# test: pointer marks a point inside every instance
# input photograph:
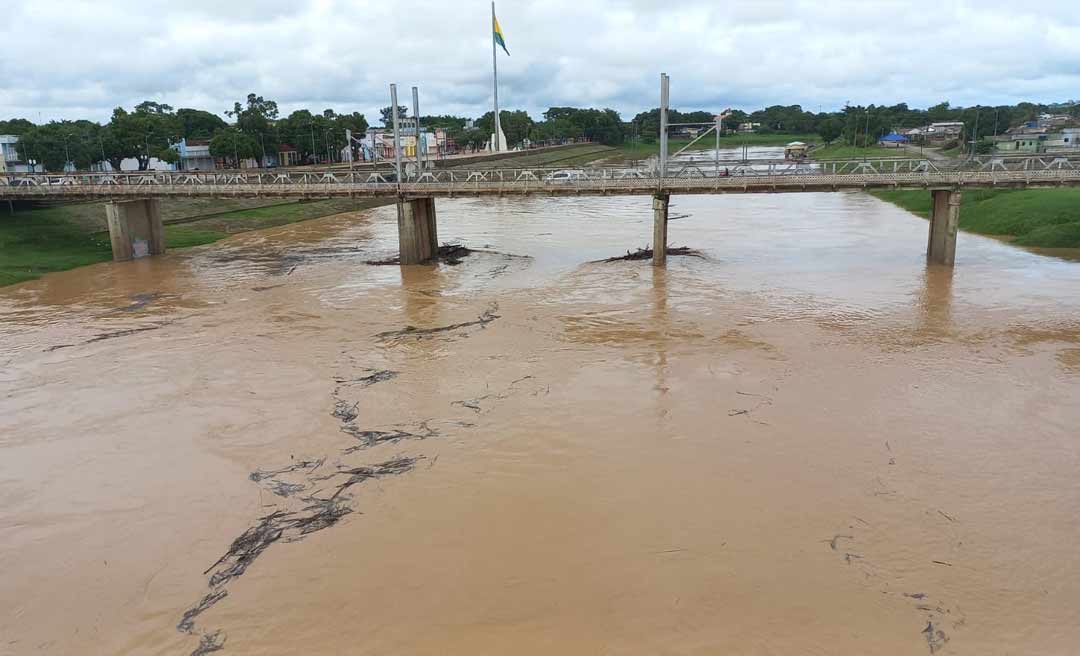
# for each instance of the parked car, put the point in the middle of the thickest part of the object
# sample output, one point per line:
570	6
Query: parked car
566	175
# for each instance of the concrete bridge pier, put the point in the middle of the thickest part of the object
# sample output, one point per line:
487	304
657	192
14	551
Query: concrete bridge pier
660	224
944	223
135	228
418	238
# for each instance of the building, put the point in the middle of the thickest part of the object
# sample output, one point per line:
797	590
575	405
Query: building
288	155
194	155
943	131
10	162
378	143
1067	139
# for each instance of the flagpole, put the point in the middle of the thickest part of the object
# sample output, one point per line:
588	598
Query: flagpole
495	79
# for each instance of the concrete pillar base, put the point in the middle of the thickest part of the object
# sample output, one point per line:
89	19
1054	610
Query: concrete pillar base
418	238
660	225
135	228
944	223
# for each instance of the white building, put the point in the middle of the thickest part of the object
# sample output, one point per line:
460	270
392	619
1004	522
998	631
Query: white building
194	155
9	157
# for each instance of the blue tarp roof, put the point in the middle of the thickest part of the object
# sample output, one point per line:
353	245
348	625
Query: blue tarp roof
894	138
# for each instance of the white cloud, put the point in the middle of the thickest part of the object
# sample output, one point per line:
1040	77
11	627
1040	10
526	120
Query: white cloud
80	58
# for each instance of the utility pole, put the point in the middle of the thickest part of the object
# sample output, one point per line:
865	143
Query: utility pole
397	134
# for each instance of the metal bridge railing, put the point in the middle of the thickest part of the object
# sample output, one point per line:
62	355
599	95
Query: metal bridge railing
731	176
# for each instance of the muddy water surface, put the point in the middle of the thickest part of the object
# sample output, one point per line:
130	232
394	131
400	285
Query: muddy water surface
806	442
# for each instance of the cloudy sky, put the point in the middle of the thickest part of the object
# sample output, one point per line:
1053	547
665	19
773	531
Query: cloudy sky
73	58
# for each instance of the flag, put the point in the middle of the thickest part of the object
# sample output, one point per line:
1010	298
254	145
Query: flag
498	34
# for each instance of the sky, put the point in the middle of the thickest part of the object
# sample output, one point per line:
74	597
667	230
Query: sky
68	59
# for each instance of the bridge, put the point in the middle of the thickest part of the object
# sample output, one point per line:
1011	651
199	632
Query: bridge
136	229
135	224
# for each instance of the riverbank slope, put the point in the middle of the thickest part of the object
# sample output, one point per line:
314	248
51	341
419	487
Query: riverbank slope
1041	218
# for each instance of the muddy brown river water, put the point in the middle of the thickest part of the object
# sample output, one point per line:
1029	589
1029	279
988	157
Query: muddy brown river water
805	442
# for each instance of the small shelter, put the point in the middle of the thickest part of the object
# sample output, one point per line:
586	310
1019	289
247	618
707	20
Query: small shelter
893	140
796	151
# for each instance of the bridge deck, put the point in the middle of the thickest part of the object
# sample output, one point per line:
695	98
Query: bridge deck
744	177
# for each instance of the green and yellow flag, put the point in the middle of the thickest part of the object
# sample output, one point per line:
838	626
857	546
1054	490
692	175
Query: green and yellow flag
498	33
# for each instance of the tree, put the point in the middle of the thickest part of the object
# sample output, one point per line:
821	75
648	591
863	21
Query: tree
151	107
256	116
233	145
515	125
387	115
15	126
143	134
197	124
830	130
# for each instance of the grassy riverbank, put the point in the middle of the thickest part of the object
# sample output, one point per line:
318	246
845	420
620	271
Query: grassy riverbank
36	242
1043	218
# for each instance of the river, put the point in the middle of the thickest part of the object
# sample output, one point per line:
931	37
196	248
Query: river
803	442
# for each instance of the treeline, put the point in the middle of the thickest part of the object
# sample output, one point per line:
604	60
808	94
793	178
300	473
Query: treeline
257	129
149	128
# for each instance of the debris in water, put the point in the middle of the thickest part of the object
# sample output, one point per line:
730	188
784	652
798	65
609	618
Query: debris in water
647	253
420	333
451	254
210	643
346	412
370	438
367	381
935	637
187	622
119	333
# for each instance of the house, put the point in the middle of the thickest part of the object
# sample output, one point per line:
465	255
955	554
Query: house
194	155
1022	141
943	131
9	157
748	127
1067	139
1053	120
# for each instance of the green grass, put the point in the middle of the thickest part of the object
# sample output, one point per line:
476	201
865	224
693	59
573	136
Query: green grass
1043	218
36	242
33	244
